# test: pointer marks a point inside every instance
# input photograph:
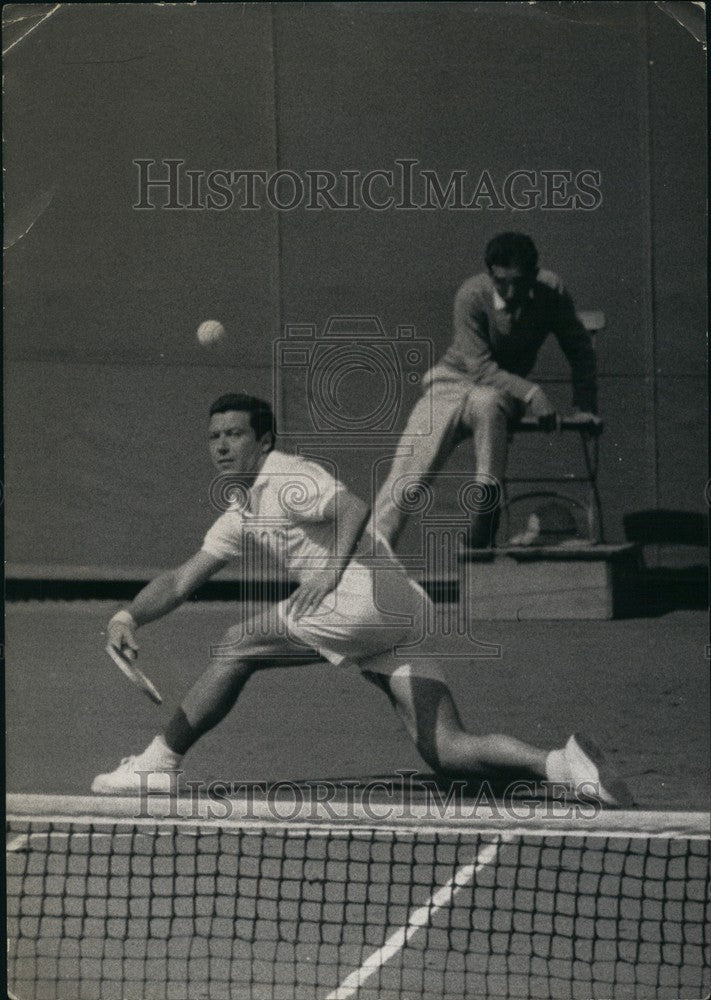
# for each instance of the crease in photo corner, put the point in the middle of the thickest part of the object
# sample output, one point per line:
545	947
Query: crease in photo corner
30	14
17	227
690	14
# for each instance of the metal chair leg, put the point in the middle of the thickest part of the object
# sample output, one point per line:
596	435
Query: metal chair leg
591	455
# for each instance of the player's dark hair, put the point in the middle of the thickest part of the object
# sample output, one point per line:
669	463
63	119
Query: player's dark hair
261	417
512	250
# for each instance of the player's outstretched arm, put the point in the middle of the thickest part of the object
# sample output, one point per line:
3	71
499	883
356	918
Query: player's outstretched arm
157	598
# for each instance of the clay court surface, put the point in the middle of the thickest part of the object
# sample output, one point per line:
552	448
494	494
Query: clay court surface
640	687
130	912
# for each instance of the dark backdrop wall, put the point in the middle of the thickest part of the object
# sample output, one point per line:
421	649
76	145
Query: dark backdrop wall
106	391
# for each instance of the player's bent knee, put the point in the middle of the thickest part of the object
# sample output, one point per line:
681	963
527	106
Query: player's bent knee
437	753
486	401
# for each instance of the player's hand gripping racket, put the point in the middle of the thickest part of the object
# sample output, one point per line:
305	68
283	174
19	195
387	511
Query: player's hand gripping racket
135	675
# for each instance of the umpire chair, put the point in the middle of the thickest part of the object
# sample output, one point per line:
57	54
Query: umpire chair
517	488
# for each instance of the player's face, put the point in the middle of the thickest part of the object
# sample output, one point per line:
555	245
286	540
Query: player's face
233	444
512	284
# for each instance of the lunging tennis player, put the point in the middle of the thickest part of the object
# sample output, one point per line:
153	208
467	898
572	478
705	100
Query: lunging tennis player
343	610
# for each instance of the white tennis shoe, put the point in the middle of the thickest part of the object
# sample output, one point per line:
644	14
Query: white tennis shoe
591	775
137	776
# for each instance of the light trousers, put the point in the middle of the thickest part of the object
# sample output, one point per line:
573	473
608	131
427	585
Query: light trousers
451	409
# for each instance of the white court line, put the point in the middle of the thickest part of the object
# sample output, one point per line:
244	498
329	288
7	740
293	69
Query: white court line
418	918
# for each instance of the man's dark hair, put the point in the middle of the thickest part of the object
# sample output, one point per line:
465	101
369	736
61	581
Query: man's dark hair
261	418
512	250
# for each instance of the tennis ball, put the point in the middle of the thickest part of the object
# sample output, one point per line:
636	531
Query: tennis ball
210	332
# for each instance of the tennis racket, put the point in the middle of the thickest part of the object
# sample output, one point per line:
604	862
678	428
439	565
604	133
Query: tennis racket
135	675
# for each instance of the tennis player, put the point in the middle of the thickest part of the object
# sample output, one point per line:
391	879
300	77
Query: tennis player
354	604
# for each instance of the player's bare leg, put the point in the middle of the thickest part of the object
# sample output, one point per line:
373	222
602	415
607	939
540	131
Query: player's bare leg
431	718
243	650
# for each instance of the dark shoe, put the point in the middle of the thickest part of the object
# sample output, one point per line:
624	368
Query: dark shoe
482	530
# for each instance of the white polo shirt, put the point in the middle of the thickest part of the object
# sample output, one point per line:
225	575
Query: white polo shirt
283	512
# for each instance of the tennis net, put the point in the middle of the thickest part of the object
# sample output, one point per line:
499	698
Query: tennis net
104	904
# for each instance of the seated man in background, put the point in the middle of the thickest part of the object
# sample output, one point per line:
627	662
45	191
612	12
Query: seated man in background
481	387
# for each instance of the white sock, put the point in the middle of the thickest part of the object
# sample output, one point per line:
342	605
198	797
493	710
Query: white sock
557	768
158	754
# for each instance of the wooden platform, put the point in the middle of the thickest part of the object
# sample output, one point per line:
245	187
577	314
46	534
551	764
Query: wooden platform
549	582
